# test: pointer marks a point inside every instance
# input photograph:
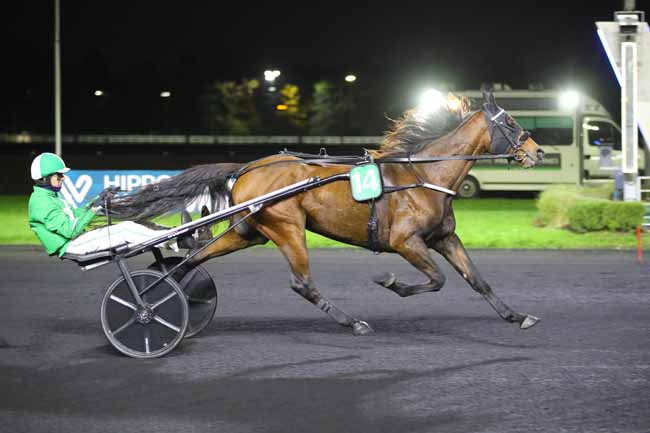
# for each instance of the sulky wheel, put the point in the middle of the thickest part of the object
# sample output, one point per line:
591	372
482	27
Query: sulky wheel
199	289
150	330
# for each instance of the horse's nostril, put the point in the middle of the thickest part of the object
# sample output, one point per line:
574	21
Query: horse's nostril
540	154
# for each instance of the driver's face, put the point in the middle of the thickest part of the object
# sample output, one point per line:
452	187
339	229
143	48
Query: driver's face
57	180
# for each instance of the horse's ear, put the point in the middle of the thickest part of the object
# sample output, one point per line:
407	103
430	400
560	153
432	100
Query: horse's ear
488	98
465	104
493	102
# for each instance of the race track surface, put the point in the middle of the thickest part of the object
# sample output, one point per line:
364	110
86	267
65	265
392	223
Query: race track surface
271	362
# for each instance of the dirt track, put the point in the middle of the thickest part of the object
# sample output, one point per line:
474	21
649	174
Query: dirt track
270	362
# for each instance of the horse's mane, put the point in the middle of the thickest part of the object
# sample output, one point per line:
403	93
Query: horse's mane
417	128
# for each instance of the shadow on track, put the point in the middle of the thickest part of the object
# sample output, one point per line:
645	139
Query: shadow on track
279	404
417	328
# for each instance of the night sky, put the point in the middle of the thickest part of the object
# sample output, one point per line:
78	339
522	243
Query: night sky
140	47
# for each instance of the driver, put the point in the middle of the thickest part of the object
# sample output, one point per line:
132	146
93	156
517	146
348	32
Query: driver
60	228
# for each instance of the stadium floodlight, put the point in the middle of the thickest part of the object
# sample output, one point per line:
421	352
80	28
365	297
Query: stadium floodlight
99	92
350	78
271	75
569	100
165	94
431	100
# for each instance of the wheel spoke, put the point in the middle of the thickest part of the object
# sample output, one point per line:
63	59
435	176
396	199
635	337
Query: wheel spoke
123	302
192	277
163	300
166	323
128	323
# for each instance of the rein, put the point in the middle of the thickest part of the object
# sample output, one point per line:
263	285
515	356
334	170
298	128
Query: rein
388	160
324	158
509	138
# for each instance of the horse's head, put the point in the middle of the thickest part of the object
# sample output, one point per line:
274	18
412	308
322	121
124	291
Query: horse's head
506	136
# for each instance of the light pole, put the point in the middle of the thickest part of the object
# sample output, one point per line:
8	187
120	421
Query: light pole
57	78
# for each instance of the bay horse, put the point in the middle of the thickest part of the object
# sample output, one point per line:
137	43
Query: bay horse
409	221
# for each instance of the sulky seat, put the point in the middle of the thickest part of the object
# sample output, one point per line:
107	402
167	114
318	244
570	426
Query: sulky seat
92	260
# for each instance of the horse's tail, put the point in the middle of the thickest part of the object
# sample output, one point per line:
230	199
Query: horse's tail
176	192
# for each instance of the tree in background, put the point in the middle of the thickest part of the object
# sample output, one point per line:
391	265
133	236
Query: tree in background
326	108
246	107
291	107
232	109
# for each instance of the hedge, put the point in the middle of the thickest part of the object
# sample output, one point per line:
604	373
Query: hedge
623	215
597	214
554	203
585	209
587	215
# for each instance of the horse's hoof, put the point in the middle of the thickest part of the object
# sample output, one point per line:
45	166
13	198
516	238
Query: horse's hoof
387	279
529	322
360	327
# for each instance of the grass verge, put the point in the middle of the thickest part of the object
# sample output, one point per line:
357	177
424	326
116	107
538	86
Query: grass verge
481	223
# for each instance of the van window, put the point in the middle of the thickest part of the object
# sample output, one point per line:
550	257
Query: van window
549	130
603	134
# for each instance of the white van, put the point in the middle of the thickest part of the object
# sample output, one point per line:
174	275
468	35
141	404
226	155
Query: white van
573	130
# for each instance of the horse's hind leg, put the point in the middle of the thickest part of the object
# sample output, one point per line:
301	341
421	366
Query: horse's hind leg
290	239
416	252
453	250
229	243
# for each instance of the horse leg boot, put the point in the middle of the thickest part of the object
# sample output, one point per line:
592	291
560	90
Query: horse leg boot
453	250
415	251
291	242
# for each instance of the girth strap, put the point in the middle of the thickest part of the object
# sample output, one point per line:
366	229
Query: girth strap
374	244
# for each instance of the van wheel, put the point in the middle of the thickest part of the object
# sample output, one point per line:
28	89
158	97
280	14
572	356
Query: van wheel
469	188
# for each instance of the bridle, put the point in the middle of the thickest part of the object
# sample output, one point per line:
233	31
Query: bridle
512	135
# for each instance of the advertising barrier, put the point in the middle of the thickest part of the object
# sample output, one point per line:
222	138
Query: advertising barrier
81	186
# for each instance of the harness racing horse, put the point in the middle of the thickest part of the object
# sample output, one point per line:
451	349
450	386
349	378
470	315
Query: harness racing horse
411	220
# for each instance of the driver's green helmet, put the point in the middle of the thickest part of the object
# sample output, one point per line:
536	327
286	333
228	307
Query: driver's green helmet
47	164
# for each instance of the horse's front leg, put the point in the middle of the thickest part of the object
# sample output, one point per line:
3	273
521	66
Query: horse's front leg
414	250
453	250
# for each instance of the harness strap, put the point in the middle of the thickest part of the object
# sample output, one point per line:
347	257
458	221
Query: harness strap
313	158
443	158
496	116
374	244
391	189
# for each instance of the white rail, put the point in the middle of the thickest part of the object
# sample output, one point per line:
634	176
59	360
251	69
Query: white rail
644	194
193	139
